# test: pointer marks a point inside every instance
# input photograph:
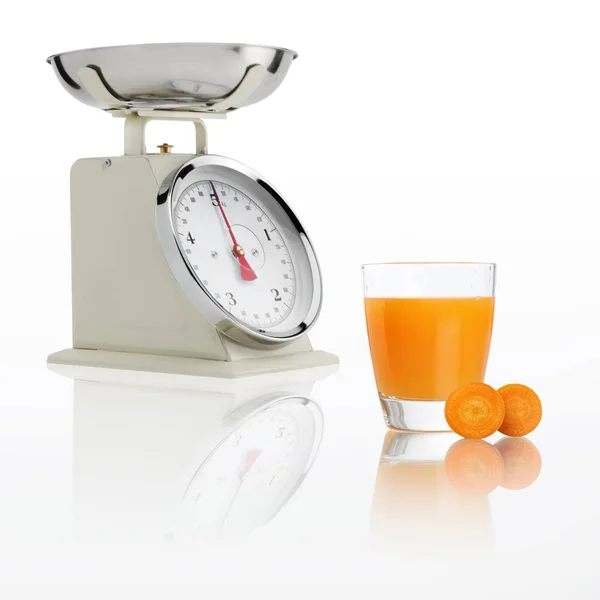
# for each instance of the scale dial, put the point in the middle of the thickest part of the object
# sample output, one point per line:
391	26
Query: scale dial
267	295
254	470
245	252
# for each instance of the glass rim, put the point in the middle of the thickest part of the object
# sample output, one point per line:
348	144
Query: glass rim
431	264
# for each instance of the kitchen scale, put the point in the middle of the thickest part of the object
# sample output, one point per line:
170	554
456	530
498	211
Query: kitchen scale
184	263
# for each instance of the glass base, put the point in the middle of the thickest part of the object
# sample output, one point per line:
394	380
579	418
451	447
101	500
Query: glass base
402	414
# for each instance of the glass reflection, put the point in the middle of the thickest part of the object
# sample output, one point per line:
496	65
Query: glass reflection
432	491
164	459
417	511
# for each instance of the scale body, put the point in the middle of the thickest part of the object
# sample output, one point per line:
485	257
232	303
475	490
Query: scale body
138	302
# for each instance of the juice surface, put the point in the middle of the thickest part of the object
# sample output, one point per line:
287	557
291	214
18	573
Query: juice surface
425	348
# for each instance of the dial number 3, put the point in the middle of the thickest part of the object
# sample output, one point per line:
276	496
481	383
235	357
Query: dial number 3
232	300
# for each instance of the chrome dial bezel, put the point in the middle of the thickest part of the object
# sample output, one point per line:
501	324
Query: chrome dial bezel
190	282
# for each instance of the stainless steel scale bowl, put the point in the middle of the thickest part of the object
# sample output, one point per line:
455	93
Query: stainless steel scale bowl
171	76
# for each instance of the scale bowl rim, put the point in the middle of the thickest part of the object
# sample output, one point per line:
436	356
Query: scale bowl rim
171	44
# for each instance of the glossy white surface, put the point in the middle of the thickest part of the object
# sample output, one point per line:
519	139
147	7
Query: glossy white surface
95	478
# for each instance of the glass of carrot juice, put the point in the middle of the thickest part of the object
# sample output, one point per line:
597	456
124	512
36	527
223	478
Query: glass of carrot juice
430	327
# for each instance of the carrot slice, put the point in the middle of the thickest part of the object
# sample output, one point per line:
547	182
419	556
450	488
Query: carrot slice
522	462
475	410
474	467
523	410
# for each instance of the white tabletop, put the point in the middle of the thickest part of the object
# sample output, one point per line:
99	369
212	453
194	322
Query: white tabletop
95	477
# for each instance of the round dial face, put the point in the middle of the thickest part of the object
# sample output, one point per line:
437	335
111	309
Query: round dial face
252	473
238	251
249	265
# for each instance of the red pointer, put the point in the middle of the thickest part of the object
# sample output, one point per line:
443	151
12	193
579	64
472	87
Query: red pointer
248	273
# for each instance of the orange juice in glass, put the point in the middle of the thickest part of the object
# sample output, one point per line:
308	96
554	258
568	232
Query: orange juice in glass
430	327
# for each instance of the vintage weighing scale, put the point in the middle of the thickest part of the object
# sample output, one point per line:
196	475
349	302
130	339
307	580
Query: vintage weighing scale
183	263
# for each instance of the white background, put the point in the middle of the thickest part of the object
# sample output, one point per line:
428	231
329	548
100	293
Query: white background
404	131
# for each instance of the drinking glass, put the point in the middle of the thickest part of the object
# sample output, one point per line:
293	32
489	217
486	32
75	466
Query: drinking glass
430	327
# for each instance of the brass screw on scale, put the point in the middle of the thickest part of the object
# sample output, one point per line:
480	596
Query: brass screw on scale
165	148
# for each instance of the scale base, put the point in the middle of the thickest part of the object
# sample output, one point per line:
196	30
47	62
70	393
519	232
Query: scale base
198	367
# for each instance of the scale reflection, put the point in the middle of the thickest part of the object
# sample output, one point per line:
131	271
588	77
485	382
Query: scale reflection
162	459
431	496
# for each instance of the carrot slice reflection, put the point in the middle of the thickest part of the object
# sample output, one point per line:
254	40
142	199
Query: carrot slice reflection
474	467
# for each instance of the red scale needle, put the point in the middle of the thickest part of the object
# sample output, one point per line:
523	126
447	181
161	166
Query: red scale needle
246	270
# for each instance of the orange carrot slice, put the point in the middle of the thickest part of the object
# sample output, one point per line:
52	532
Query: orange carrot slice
474	467
522	462
523	410
475	410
